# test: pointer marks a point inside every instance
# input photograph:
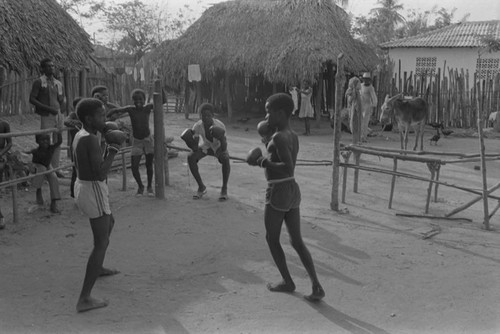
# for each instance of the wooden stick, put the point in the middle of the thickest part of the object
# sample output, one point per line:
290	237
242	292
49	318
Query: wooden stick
429	189
30	133
437	184
358	149
475	200
159	148
29	177
339	83
189	150
430	217
15	209
357	158
495	209
344	177
384	171
124	172
393	181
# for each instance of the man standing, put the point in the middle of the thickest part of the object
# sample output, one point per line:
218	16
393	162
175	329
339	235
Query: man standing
368	103
47	97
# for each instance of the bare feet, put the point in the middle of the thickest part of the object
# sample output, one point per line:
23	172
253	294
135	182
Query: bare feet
90	303
281	287
317	294
108	272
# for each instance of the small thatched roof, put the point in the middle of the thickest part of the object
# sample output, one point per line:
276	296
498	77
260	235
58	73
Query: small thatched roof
31	30
284	40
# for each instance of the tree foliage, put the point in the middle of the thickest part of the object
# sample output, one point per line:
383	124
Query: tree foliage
385	23
135	27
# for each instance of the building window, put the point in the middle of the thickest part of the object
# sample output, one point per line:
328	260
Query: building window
487	67
425	66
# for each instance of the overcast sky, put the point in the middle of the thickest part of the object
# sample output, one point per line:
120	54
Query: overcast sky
480	10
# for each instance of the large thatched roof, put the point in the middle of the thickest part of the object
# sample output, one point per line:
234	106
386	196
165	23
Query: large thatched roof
285	40
31	30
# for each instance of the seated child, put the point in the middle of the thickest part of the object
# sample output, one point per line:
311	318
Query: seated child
42	156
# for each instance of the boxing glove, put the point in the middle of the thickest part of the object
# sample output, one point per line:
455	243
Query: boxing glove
217	132
254	157
110	126
188	137
264	130
116	137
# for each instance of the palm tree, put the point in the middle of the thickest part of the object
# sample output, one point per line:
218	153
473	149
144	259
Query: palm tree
388	15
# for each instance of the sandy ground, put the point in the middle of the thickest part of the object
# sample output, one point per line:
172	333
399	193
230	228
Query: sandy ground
202	266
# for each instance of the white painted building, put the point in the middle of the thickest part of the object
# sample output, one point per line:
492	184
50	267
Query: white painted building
459	46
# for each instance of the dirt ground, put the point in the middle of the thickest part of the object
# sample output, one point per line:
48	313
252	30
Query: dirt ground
202	266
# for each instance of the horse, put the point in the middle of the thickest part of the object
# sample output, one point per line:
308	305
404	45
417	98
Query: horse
407	112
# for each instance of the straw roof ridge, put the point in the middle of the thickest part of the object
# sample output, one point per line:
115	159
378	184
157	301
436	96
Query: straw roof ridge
31	30
282	39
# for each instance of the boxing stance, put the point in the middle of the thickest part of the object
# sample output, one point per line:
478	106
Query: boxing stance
91	190
282	193
213	133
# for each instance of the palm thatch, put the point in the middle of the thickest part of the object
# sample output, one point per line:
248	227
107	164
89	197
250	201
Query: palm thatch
284	40
31	30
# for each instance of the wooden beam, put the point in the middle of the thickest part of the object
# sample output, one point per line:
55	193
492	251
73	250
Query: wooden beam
339	80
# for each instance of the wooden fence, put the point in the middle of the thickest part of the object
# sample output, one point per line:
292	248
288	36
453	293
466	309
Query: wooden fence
15	88
455	96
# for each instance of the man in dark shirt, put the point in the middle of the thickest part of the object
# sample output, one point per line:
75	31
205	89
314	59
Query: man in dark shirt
42	156
48	98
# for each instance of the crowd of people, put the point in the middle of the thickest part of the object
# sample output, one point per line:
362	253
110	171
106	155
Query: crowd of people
95	139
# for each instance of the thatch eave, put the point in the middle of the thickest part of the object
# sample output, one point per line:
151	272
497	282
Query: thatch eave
31	30
284	40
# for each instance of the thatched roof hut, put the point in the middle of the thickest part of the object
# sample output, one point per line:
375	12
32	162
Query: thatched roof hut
31	30
286	41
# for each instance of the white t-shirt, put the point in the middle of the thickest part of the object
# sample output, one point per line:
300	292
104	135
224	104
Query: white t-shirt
199	130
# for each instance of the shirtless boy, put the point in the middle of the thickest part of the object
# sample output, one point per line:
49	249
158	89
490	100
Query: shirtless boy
91	192
142	137
283	194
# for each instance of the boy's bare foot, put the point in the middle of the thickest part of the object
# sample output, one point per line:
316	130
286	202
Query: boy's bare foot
281	287
150	192
140	191
90	303
108	272
317	294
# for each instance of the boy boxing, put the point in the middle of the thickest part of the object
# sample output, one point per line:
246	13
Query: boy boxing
213	133
283	193
91	190
141	136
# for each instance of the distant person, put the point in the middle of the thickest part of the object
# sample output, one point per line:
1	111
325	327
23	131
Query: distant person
47	97
42	157
75	125
91	191
306	108
353	95
213	134
5	146
294	92
283	193
368	104
142	139
101	93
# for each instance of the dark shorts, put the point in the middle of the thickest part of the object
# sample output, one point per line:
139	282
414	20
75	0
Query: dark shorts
283	196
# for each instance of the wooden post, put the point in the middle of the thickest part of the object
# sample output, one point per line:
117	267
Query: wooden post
339	82
393	181
166	172
15	210
357	158
319	99
344	176
159	139
227	91
82	90
432	169
436	186
124	172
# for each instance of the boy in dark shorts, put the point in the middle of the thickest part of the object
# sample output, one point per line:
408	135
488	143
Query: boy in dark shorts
142	139
91	192
283	193
212	132
42	156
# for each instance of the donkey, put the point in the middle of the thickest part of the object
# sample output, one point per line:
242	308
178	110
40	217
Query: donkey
407	112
